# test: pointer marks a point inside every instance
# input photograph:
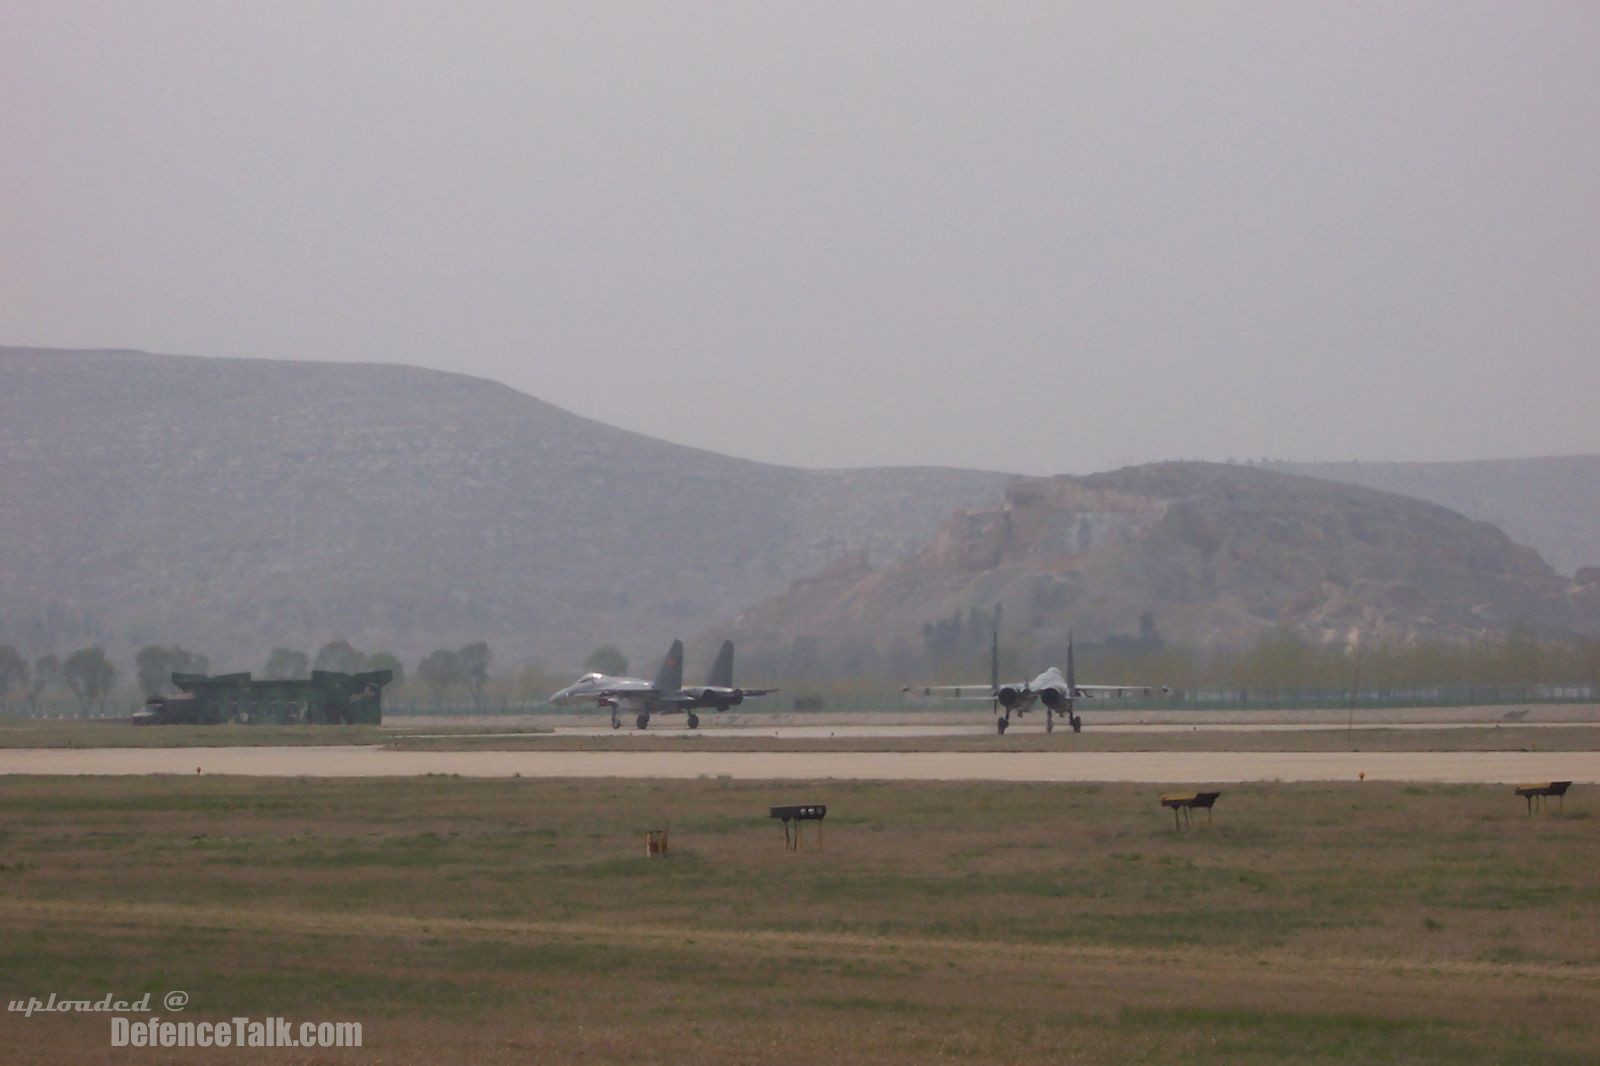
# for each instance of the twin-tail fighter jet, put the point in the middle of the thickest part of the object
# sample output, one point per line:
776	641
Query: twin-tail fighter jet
719	691
664	695
1058	693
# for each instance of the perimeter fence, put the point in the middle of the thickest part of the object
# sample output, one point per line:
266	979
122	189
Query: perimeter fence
802	702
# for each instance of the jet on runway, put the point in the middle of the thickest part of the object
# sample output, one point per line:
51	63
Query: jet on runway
664	695
1058	693
634	695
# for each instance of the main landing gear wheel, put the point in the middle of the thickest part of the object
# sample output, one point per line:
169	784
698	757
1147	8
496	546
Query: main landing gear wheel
1049	720
1077	724
616	723
1000	725
694	721
642	722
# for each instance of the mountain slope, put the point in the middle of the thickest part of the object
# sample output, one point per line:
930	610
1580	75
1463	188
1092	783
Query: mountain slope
1552	504
233	505
1210	555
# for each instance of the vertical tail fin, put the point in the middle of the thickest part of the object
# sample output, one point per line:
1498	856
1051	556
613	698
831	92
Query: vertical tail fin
994	662
721	675
670	677
1072	671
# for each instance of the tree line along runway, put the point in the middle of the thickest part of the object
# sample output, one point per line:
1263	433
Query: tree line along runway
1155	767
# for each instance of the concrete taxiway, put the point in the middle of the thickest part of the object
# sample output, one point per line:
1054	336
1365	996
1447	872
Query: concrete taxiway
985	729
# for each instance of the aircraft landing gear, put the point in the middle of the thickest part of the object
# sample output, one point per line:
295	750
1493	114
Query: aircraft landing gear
616	723
1049	720
1001	723
694	720
642	722
1077	724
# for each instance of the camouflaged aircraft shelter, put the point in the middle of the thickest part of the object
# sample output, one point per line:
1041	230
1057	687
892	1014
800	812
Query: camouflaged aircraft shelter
326	698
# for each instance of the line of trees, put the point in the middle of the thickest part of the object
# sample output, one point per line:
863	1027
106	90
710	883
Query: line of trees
156	663
90	677
442	670
337	656
468	667
1283	661
86	673
956	649
1278	662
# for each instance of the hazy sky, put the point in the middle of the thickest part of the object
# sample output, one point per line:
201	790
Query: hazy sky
1028	237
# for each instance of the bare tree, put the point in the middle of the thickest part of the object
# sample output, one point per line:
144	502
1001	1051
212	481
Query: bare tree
46	672
90	675
338	656
473	661
440	670
607	659
157	663
382	660
13	672
285	664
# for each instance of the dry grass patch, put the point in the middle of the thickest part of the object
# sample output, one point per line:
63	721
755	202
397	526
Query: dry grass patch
517	919
114	733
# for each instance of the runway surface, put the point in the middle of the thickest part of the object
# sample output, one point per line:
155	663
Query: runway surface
1502	767
986	729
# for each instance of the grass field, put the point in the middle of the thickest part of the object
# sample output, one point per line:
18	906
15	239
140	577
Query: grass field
110	733
519	920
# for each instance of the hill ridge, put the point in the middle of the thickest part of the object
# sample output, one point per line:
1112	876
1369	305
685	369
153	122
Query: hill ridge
238	504
1201	554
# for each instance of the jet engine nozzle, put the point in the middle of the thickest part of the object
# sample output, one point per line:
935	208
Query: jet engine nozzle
1009	697
1054	698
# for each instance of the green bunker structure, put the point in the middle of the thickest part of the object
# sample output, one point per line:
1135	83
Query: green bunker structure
326	698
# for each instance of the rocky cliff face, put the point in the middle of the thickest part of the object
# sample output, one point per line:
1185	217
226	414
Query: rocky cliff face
234	505
1209	555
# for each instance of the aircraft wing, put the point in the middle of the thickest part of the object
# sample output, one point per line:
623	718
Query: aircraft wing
956	692
1090	692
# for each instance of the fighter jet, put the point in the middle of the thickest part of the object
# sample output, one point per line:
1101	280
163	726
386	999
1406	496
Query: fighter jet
1058	693
719	690
635	695
664	695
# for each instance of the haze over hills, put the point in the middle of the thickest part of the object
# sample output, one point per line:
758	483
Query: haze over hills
234	505
1200	554
1552	504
